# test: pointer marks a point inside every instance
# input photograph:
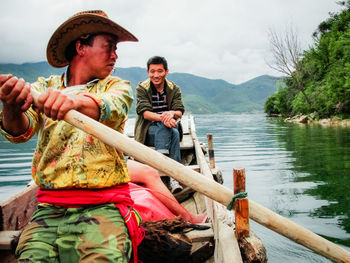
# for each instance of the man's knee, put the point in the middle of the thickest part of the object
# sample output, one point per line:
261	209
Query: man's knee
31	249
150	173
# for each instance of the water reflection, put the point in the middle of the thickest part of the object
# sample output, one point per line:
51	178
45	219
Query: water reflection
322	156
15	166
300	172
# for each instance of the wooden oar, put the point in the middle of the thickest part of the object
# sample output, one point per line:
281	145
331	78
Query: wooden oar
208	187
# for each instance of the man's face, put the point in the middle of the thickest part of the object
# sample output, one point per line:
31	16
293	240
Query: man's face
157	74
101	56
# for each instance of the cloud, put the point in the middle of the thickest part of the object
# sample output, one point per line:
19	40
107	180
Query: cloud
215	39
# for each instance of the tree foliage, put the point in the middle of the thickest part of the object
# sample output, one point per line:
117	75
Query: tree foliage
320	80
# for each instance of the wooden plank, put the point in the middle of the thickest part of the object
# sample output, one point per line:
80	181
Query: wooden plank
201	161
228	245
186	143
16	211
6	238
184	122
190	205
200	235
201	251
200	203
184	194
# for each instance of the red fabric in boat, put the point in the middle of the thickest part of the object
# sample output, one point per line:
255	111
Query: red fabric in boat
149	207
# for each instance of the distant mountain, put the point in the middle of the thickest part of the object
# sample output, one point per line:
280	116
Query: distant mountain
200	95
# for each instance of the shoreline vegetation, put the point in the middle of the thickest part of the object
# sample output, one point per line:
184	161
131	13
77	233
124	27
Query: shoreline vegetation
312	119
317	80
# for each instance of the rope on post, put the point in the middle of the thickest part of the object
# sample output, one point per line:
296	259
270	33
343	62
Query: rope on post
238	195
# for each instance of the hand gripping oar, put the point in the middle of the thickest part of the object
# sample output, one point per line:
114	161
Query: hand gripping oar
205	186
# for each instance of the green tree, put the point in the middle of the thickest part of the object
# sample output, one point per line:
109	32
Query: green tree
320	79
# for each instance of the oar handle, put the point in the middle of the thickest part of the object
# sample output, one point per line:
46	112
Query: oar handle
205	186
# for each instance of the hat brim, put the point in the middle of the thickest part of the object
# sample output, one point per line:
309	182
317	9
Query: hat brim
77	26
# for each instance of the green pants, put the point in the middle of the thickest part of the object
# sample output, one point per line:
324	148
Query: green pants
89	234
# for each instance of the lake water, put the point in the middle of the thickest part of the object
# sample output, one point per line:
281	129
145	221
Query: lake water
300	172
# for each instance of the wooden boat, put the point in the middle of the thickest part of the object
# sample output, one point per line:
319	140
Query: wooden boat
216	244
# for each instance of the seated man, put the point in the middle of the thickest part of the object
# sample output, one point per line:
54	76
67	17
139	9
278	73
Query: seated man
158	106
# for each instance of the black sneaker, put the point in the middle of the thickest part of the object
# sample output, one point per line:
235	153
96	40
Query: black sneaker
175	187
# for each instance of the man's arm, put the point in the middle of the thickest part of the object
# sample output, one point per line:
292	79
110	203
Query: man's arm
177	114
114	101
151	116
177	108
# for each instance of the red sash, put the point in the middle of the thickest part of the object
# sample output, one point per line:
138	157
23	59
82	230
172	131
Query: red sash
118	195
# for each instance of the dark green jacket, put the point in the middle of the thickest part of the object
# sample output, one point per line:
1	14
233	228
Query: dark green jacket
144	103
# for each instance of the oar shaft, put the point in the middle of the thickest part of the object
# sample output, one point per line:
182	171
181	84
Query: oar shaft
297	233
208	187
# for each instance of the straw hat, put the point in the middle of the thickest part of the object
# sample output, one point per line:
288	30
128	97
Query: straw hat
87	22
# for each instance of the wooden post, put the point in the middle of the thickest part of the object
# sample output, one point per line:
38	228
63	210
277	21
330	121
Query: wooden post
241	204
211	151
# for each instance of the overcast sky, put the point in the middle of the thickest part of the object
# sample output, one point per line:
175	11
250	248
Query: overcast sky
218	39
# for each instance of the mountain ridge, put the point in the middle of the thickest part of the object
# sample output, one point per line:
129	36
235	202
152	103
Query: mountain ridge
200	95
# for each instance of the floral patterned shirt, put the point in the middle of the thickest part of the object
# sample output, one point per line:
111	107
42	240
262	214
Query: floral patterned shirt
66	157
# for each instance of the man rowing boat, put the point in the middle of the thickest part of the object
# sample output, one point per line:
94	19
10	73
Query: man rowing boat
88	177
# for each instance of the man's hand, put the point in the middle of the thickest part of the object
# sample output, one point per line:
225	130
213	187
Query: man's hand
55	104
16	99
167	118
15	93
171	123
